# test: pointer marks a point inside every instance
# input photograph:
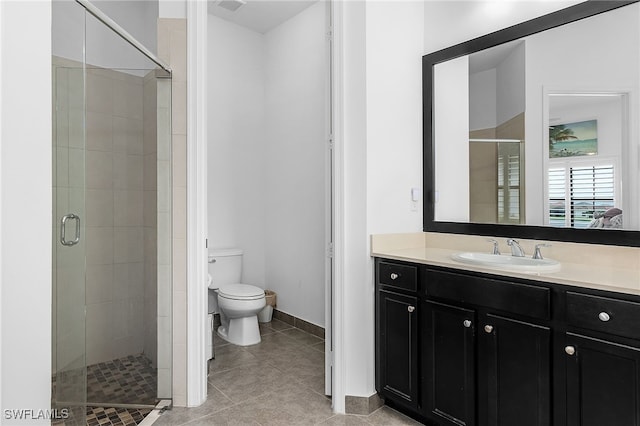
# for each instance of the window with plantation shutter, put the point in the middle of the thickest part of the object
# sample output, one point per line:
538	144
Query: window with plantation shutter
509	203
578	192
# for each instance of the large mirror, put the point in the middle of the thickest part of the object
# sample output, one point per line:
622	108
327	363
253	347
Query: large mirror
533	131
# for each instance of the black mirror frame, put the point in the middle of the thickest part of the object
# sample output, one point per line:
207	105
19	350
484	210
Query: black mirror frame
552	20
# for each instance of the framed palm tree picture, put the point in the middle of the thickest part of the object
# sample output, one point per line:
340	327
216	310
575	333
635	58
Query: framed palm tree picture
573	139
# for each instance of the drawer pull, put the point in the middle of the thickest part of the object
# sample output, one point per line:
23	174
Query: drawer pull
466	323
570	350
603	316
411	308
394	276
488	328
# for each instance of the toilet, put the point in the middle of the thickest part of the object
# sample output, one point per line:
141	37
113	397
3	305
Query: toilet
238	303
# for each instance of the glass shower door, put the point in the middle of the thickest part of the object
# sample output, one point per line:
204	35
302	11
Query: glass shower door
69	247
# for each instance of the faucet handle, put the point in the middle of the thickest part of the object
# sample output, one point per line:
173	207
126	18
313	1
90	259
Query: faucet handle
537	254
495	250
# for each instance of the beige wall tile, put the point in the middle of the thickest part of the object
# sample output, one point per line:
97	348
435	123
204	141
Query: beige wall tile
99	92
179	212
150	214
165	291
177	44
135	171
100	245
164	238
179	149
164	186
179	108
128	208
164	383
100	165
99	131
99	283
179	265
164	335
179	325
150	176
100	207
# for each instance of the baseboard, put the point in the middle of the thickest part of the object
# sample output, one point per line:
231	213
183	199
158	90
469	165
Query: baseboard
303	325
363	405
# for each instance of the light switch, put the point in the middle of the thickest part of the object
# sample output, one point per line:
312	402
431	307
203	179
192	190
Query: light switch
416	194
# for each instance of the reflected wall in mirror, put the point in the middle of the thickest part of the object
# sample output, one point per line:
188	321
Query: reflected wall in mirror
540	128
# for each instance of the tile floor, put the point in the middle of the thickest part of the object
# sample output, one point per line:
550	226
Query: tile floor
279	381
127	380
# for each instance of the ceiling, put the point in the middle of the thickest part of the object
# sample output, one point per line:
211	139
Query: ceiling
260	15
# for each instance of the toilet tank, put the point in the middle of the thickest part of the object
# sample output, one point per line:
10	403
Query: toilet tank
225	266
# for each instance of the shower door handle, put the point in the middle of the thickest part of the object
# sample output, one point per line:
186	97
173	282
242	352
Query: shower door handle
63	229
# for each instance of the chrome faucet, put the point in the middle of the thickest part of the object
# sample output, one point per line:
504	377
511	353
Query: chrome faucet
516	250
495	250
536	253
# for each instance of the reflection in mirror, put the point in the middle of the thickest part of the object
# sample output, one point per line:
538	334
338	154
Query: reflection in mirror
584	163
542	130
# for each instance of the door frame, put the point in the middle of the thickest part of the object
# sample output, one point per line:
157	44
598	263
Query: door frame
197	266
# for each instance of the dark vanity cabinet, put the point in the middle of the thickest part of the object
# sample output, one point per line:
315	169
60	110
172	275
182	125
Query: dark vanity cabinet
486	351
465	348
602	361
397	373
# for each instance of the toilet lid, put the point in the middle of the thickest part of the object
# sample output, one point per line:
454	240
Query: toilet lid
240	291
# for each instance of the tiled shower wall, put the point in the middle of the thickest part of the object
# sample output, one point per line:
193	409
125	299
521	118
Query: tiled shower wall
172	48
115	256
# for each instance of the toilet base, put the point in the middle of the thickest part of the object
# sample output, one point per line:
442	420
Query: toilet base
241	331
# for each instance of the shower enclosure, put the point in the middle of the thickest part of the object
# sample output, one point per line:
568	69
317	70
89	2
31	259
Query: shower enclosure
112	216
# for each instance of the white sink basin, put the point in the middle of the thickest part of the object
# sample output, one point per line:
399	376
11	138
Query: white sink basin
511	263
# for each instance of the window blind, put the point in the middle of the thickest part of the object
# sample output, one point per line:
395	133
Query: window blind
577	193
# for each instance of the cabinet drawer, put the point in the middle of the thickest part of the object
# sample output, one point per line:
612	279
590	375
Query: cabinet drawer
523	299
399	276
615	316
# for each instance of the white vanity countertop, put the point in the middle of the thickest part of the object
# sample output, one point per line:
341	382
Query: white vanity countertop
598	267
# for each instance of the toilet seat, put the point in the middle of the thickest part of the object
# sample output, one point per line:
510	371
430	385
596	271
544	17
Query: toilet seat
241	292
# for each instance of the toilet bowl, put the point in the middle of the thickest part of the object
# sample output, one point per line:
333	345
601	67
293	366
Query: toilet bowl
237	303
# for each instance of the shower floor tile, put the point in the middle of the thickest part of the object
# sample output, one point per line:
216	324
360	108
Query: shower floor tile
128	380
100	416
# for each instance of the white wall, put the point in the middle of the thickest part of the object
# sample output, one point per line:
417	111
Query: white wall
510	86
237	144
267	150
25	208
381	140
451	113
296	149
482	100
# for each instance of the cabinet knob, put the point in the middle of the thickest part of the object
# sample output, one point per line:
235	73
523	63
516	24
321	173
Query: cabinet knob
488	328
466	323
394	276
603	316
570	350
411	308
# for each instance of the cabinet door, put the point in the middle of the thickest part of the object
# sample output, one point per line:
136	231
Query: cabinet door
449	369
398	347
515	384
603	382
